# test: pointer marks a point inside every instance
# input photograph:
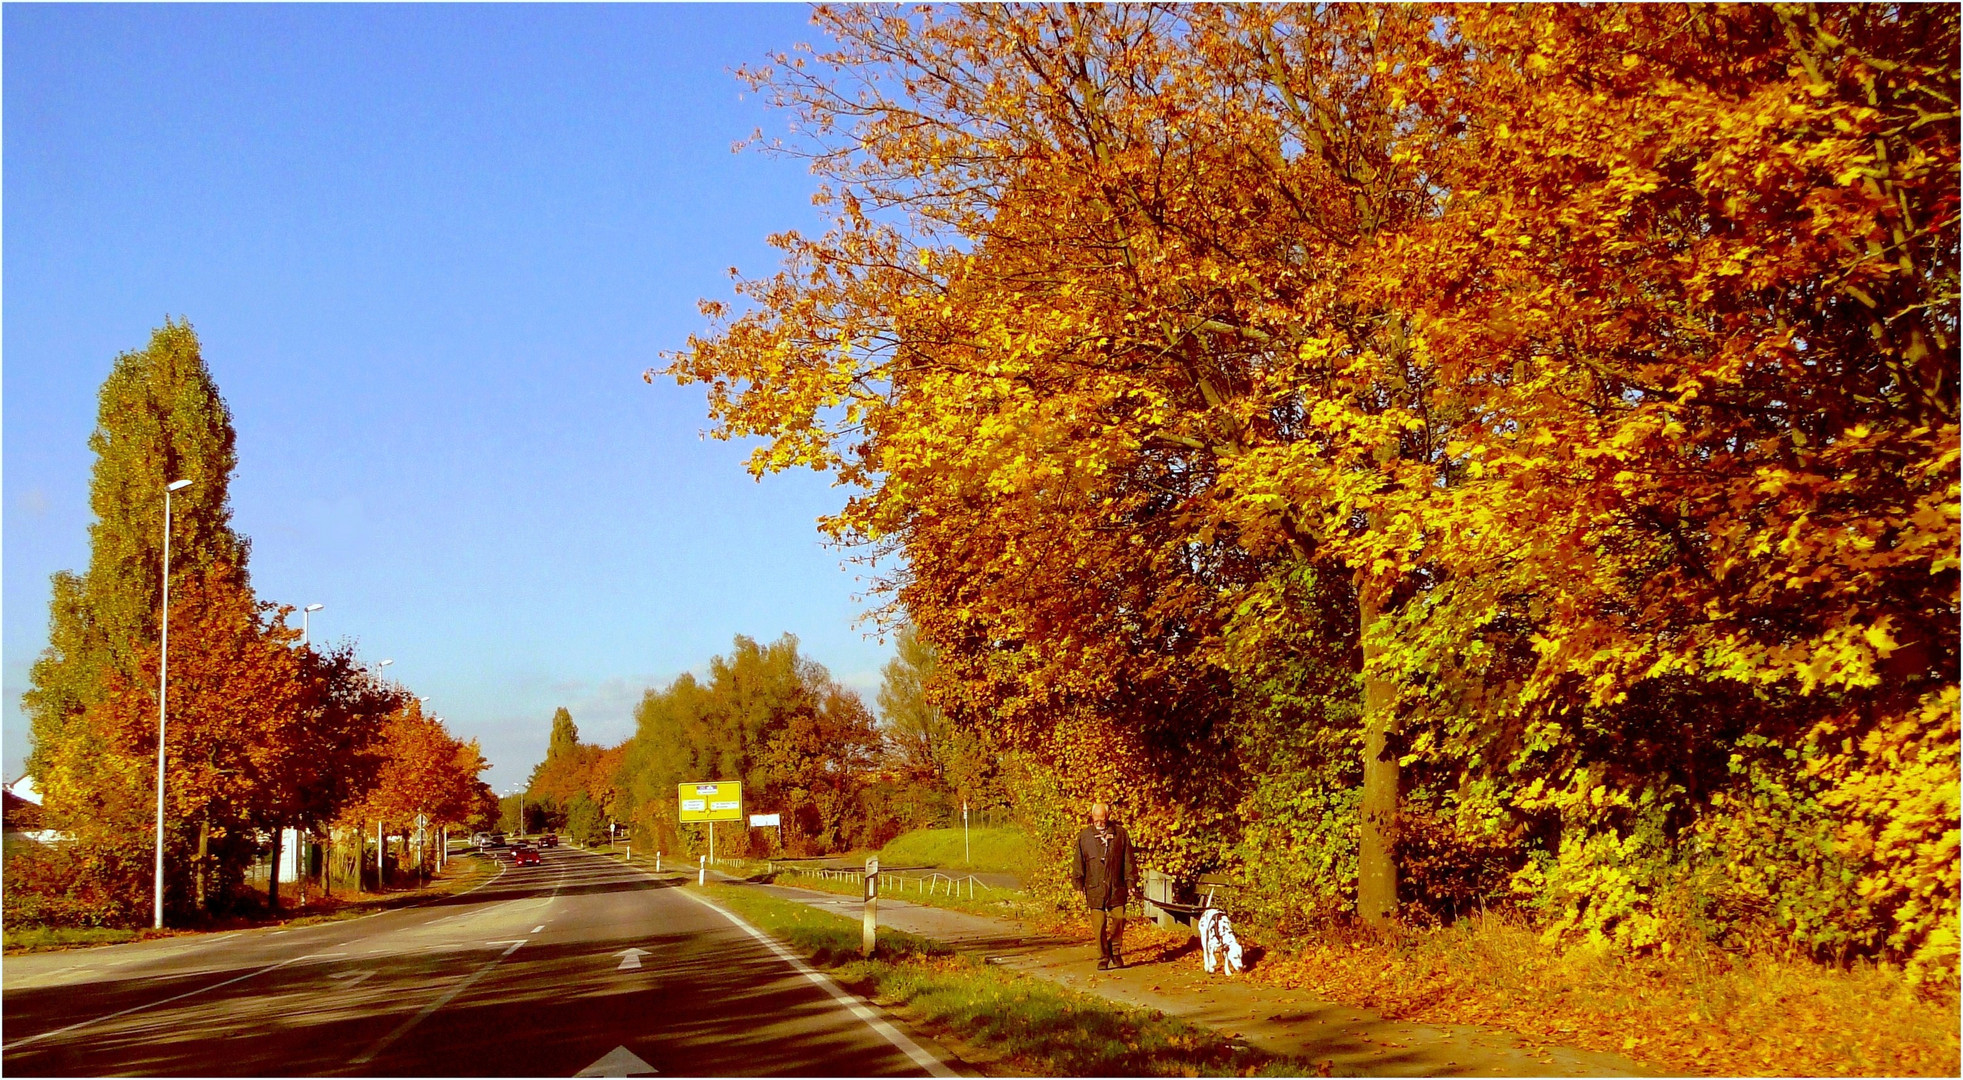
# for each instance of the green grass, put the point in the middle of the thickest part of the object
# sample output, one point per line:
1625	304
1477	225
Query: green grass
1027	1023
1002	851
1001	903
28	939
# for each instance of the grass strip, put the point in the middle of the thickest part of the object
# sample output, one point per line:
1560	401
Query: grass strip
37	938
1024	1023
987	850
1000	903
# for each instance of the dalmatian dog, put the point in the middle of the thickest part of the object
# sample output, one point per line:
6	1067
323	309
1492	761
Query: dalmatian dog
1217	941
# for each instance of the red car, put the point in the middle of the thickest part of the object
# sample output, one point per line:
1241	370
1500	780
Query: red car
524	856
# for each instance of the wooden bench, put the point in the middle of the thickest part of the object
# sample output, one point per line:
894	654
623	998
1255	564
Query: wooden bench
1175	912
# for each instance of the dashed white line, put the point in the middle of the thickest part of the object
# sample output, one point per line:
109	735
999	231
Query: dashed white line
450	995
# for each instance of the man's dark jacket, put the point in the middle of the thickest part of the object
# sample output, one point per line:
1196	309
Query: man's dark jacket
1104	872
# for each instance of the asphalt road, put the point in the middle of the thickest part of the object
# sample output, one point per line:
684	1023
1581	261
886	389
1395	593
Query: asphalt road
527	975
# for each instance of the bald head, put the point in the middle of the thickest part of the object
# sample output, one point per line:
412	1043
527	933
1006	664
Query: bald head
1100	812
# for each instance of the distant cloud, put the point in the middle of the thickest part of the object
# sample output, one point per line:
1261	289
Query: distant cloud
604	711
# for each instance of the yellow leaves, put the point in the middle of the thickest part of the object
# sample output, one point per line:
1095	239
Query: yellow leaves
1877	636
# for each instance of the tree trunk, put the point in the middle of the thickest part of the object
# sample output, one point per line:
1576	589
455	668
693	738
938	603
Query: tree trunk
272	873
204	862
1376	860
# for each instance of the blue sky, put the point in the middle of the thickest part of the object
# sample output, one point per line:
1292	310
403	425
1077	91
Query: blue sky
429	251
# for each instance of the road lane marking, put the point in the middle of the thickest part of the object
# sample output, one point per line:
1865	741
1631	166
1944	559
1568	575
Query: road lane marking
18	1043
891	1034
538	929
630	959
927	1062
407	1025
620	1061
355	978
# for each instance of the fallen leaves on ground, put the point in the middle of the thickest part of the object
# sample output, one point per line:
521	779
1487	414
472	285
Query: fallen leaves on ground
1712	1014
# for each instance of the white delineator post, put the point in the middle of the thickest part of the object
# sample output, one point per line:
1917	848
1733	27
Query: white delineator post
702	870
871	933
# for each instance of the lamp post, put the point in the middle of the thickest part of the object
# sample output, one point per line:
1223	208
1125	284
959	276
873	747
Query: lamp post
304	622
163	684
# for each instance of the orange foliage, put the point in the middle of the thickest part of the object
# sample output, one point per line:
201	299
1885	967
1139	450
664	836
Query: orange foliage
1597	363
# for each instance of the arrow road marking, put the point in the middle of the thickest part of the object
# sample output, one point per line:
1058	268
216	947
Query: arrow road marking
619	1062
630	960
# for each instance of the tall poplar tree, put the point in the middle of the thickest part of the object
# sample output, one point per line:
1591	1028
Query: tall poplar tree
160	419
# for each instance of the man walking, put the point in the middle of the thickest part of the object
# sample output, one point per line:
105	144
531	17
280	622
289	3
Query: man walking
1102	871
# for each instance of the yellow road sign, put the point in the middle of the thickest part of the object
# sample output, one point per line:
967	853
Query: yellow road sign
718	801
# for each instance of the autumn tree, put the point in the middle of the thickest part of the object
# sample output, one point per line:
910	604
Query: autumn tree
1085	261
423	771
1580	380
1702	537
803	746
565	773
941	758
159	419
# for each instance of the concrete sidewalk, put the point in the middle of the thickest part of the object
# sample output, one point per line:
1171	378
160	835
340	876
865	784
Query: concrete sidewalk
1352	1041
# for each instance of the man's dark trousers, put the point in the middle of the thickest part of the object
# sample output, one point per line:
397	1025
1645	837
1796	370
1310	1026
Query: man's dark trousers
1108	927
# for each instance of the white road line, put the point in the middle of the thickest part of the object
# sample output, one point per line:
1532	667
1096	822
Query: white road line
538	929
206	942
18	1043
407	1025
858	1008
851	1001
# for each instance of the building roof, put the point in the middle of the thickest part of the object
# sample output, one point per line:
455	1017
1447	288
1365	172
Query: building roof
21	814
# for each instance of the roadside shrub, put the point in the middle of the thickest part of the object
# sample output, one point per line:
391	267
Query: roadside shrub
76	885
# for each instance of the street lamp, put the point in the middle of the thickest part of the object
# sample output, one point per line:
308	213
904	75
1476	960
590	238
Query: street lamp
304	612
520	792
163	683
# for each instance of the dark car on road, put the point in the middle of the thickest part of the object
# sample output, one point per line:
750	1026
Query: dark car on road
548	840
524	855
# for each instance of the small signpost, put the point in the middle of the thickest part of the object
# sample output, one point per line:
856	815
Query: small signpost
872	908
710	802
